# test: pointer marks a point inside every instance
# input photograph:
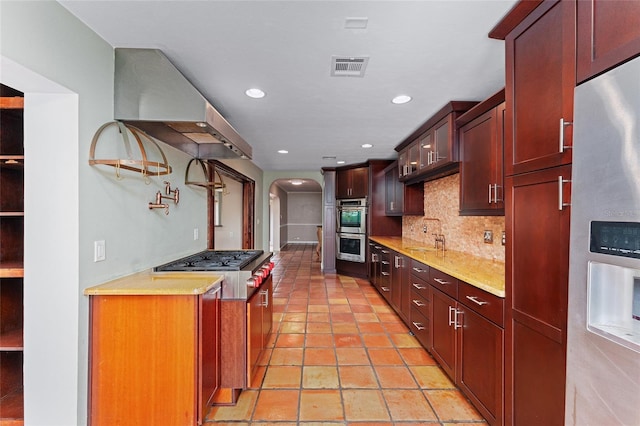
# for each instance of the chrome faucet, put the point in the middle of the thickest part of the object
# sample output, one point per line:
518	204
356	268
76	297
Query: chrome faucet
438	236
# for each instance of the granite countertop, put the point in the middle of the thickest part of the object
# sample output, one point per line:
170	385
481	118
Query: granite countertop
484	274
159	284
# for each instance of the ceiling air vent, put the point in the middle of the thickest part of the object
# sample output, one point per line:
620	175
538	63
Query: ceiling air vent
348	66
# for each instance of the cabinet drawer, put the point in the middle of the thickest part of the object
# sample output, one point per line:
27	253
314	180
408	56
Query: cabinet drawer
486	304
421	303
420	287
419	325
443	282
419	270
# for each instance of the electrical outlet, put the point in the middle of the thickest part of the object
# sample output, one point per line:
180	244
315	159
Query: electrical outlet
196	233
99	251
488	237
424	228
504	238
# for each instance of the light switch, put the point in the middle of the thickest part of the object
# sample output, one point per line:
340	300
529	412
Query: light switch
99	251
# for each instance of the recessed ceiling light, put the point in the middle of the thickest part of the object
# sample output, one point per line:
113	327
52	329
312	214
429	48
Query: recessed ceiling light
283	151
340	162
254	93
401	99
296	182
367	145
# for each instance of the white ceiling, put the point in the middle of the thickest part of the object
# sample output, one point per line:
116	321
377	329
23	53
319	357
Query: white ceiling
435	51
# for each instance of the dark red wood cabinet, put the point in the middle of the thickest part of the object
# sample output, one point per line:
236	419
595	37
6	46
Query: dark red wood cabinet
420	302
259	324
481	158
352	183
443	331
540	79
402	199
537	270
608	34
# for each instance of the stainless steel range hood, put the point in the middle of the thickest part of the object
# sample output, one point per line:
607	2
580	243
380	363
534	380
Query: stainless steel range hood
152	95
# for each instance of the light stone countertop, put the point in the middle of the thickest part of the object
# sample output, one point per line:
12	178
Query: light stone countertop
159	284
484	274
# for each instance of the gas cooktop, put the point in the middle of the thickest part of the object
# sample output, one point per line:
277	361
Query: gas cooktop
212	260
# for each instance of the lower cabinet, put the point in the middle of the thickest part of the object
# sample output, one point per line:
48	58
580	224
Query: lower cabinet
443	331
470	347
158	351
259	323
480	362
461	325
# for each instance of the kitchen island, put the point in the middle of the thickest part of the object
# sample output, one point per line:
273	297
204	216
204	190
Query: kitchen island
154	350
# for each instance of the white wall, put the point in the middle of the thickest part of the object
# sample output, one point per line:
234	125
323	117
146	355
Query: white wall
66	72
304	216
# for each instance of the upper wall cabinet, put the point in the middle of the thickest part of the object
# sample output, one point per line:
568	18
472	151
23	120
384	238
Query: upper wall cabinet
432	150
608	34
540	79
481	158
352	183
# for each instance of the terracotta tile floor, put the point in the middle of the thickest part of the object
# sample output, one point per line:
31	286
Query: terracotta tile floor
339	355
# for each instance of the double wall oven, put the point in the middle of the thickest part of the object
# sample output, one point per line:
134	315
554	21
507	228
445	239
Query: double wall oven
351	229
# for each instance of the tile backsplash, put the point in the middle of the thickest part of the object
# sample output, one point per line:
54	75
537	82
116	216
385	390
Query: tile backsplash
462	233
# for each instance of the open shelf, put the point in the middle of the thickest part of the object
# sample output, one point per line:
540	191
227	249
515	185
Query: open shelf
11	256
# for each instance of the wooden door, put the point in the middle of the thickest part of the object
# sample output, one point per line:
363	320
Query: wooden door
537	264
254	332
540	79
209	358
359	182
443	334
480	364
608	34
477	146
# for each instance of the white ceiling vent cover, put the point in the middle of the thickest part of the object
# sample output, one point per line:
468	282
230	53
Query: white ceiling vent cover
348	66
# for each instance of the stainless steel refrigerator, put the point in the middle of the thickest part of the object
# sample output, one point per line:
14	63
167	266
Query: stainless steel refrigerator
603	340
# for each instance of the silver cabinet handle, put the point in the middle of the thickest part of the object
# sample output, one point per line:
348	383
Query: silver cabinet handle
418	286
418	303
564	124
265	293
419	270
378	247
477	301
418	325
456	325
490	187
385	288
561	203
384	262
495	193
385	273
451	311
374	257
385	251
391	205
441	282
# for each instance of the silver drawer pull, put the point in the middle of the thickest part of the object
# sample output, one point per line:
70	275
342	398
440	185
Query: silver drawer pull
419	326
418	269
419	287
384	288
385	273
418	303
442	282
475	300
385	251
385	262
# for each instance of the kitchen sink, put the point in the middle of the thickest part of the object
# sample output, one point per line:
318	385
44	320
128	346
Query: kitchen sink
421	248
